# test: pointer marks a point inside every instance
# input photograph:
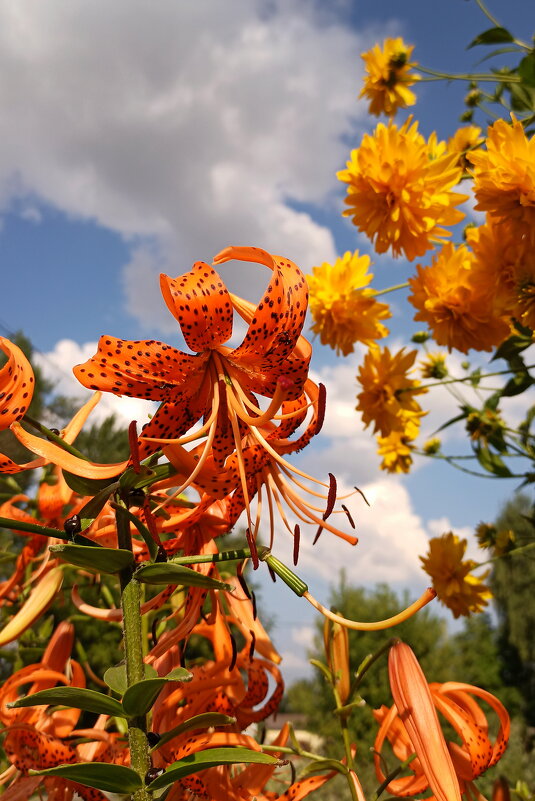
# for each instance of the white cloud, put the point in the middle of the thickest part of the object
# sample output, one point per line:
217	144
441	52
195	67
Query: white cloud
57	367
196	124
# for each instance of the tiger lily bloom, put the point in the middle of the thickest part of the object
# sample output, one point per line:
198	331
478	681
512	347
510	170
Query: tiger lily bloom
412	726
214	382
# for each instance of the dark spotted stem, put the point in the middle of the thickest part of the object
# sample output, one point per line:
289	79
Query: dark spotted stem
133	650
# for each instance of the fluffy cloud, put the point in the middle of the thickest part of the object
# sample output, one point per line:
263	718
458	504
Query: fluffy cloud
57	367
194	124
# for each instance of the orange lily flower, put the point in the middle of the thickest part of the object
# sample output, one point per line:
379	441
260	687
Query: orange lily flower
412	726
215	380
35	735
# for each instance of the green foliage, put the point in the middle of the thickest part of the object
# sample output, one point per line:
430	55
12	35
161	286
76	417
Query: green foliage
512	583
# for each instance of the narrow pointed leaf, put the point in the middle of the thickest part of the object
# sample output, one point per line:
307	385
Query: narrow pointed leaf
178	674
168	573
210	758
202	721
77	697
317	766
139	698
104	560
86	486
94	506
101	775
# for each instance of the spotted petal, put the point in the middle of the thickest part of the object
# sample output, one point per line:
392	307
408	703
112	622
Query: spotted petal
16	384
199	300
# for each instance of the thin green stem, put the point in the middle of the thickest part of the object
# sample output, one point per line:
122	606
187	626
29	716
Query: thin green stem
491	77
390	289
497	24
512	552
372	658
463	380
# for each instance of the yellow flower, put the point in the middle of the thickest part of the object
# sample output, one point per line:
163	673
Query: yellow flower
456	301
499	541
434	366
396	449
504	176
399	189
432	446
343	312
466	138
388	77
388	395
456	587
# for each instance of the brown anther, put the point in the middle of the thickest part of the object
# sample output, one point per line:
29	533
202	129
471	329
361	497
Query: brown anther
252	546
348	515
297	540
234	653
134	446
252	646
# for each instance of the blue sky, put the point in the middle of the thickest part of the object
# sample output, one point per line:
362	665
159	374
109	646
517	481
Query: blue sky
140	137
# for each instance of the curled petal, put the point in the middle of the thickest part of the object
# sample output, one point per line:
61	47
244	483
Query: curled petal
38	601
199	300
16	384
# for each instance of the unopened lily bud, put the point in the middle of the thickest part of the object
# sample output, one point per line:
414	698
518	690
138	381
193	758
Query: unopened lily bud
337	651
500	790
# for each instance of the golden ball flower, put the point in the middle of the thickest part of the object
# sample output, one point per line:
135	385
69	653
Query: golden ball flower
388	77
396	448
399	190
465	139
504	176
343	311
455	585
457	302
434	366
388	394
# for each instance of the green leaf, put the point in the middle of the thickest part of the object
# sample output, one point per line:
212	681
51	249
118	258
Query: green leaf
517	384
526	69
101	775
514	345
492	463
5	556
169	573
77	697
210	758
202	721
32	528
115	677
86	486
522	97
320	765
496	35
139	697
103	560
178	674
94	506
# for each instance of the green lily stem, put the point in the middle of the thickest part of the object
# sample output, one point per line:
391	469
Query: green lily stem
53	437
390	289
133	649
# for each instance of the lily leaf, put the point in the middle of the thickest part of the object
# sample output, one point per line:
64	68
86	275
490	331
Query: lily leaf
103	560
101	775
95	505
115	677
77	697
86	486
139	697
317	766
169	573
200	760
202	721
